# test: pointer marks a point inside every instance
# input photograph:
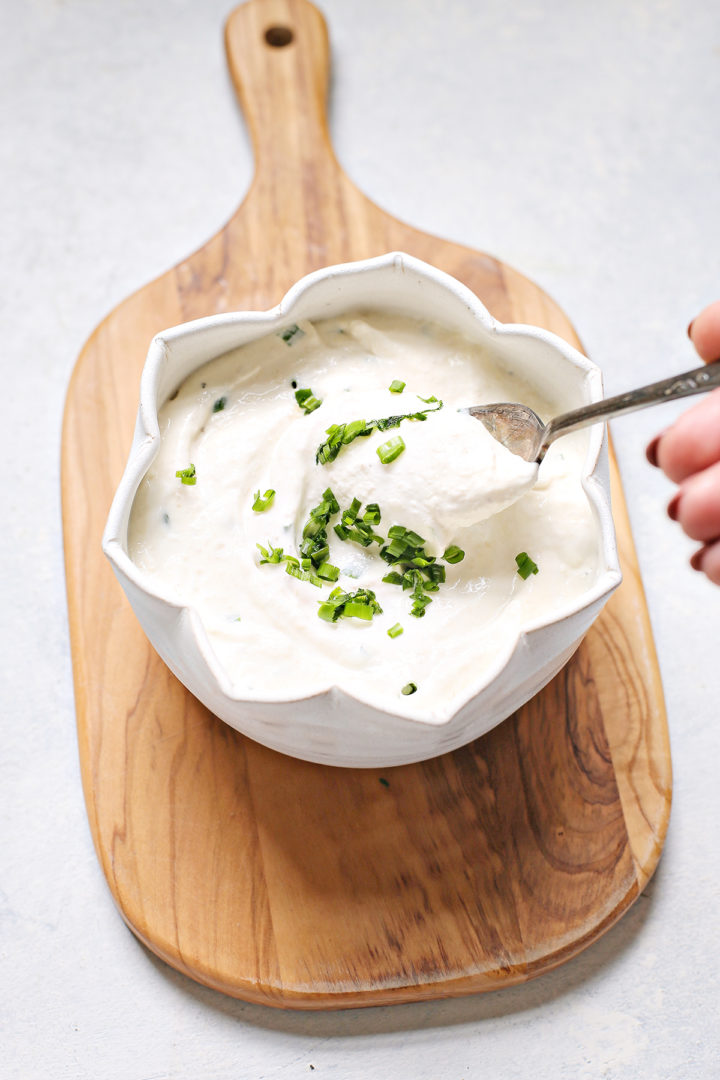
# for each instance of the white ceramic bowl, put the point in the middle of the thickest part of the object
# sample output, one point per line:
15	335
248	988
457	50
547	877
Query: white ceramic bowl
333	727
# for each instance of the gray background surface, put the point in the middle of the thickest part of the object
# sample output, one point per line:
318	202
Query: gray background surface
577	141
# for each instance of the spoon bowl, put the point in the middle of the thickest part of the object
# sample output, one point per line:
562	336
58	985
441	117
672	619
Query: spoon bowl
522	431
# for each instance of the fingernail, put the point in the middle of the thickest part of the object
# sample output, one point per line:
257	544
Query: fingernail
696	560
672	509
689	329
651	451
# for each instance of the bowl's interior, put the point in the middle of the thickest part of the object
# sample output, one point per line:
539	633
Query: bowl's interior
558	372
390	284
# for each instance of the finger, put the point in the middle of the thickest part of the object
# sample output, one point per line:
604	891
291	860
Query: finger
704	332
707	561
697	505
692	443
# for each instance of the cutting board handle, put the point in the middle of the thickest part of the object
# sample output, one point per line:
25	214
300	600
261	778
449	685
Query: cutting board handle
279	59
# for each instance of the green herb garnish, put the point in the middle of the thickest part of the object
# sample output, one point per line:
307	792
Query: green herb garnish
358	611
313	565
294	568
314	544
264	503
291	332
454	554
328	572
391	449
525	565
307	401
396	630
420	601
413	568
219	404
270	554
360	529
409	688
393	578
396	386
383	781
358	605
187	476
340	435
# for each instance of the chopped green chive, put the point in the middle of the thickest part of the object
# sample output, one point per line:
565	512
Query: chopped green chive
303	575
353	430
396	630
525	565
220	404
328	572
391	449
360	529
358	605
270	554
307	401
413	538
393	578
314	544
454	554
420	602
187	476
294	569
408	689
264	503
412	567
358	611
383	781
396	386
291	332
313	565
302	571
340	435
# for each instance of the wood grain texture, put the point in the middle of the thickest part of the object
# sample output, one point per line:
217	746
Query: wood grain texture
294	884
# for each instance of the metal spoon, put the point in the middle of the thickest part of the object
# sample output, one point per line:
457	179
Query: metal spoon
522	431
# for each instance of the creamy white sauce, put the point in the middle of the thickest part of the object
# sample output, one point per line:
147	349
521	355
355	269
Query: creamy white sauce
453	484
452	473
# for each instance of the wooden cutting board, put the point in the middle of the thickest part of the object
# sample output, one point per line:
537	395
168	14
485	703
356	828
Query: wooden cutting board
300	885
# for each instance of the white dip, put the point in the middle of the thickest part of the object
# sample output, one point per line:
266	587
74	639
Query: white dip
238	422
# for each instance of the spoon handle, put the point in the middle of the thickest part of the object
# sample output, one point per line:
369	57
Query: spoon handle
697	381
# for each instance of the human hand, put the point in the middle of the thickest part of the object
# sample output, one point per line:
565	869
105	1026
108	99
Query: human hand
688	452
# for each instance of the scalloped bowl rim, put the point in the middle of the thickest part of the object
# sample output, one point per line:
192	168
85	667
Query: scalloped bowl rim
147	441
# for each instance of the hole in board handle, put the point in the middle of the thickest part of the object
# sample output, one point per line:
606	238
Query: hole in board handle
279	36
